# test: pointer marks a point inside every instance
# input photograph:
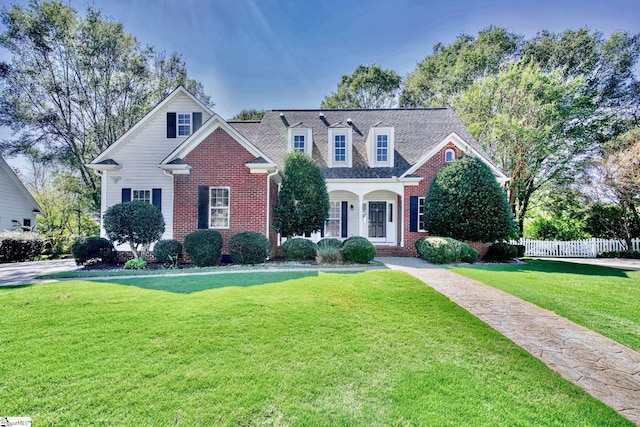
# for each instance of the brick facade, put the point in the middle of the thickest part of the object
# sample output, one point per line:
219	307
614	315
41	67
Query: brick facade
219	161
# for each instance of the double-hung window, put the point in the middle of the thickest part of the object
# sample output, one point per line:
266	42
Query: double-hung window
298	143
184	124
340	148
333	226
421	226
382	148
141	196
219	207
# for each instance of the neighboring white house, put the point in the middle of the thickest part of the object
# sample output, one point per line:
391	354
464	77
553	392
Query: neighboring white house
18	208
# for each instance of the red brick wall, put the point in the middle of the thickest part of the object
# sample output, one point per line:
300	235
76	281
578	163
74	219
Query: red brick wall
428	171
219	161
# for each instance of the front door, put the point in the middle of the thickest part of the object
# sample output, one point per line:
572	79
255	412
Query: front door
377	219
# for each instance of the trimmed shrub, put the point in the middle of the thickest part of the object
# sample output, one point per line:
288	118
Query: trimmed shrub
329	242
203	247
20	246
440	250
168	252
137	223
329	255
135	264
299	249
620	254
358	249
501	251
418	244
249	247
520	250
94	250
467	253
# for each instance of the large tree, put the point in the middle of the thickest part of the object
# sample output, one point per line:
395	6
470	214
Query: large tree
368	87
303	201
74	83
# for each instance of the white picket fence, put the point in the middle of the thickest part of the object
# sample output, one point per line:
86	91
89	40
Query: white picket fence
588	248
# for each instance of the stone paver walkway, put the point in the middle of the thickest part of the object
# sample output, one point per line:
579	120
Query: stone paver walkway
604	368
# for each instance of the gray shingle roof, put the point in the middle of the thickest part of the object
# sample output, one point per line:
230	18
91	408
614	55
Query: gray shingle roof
416	132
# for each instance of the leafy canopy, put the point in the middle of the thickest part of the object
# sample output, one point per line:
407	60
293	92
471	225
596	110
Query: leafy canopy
368	87
137	223
303	201
465	202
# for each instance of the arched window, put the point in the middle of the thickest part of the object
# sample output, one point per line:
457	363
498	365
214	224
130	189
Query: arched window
449	155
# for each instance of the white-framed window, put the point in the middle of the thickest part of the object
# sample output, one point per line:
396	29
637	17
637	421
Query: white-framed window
421	226
339	154
219	207
449	155
300	140
184	124
380	146
141	196
333	224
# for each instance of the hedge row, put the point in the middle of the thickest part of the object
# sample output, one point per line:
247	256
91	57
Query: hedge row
445	250
20	246
331	251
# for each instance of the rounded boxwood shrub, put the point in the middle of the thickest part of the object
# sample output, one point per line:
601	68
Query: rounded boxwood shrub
168	252
418	244
440	250
501	251
93	250
358	249
329	242
249	247
468	254
299	249
203	247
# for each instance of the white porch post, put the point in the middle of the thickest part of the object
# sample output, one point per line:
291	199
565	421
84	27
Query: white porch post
401	220
361	231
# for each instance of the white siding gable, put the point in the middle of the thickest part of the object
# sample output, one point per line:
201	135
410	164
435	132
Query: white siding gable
16	204
140	154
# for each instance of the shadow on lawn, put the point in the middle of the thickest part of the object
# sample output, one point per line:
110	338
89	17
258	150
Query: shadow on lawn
545	266
196	283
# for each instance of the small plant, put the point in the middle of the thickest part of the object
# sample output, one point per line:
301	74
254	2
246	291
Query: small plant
93	250
467	253
249	247
440	250
203	247
501	251
168	252
299	249
135	264
329	255
358	249
330	242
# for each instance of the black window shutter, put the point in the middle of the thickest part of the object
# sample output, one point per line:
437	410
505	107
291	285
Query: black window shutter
156	198
203	206
413	213
197	121
126	195
345	212
171	125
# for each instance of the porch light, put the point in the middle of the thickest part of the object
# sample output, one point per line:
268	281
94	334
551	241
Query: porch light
351	207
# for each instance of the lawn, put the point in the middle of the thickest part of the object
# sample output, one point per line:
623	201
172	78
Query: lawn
375	348
602	299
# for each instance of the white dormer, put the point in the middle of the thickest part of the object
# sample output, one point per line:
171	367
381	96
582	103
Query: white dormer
300	139
339	155
380	146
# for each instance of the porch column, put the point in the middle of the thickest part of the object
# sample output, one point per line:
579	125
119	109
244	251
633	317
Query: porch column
402	220
361	213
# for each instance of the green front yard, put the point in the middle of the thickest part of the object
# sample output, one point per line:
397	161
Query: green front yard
374	348
602	299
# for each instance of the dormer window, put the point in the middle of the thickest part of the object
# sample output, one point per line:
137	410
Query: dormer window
339	147
449	155
300	140
380	147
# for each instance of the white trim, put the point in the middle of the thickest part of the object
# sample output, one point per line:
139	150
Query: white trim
179	90
212	124
372	144
20	186
300	131
261	168
333	132
456	140
228	207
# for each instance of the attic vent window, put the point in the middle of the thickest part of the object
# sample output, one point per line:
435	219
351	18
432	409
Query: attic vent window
449	155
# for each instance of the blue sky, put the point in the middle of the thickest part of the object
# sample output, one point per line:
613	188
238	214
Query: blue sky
291	53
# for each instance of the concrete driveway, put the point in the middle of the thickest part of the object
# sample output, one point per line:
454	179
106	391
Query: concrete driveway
18	273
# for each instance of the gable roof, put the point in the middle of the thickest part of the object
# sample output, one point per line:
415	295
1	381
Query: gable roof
180	90
417	132
19	185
